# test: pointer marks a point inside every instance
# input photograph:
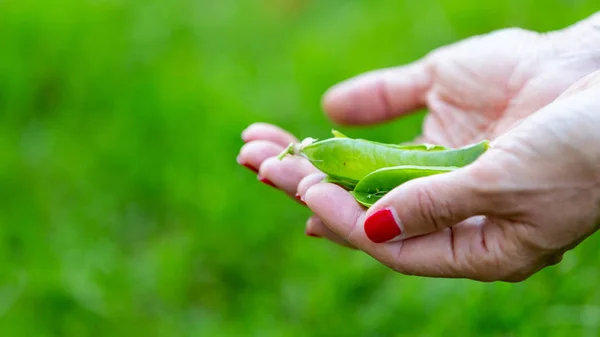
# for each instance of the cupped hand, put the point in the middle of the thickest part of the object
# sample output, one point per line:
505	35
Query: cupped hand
517	209
475	89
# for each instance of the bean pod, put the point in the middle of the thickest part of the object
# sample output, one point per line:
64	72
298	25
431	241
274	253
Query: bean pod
370	169
378	183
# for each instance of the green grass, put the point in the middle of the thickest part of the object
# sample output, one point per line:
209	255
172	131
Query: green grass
123	211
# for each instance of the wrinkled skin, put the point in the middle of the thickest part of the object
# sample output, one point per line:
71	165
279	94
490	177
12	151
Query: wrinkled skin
534	195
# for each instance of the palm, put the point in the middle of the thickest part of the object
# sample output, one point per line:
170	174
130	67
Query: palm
483	86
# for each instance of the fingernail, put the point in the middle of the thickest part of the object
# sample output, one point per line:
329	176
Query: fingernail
312	234
250	167
299	197
266	181
382	226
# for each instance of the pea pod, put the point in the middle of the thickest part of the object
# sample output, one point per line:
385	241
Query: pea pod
350	160
378	183
412	147
369	170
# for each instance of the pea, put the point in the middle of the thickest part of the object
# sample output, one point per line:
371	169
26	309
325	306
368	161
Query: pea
378	183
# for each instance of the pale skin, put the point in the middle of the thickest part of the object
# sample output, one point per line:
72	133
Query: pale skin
534	195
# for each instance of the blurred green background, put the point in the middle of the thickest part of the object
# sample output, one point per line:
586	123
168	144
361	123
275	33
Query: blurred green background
123	211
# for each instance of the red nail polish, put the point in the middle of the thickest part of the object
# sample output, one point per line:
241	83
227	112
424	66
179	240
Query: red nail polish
382	226
246	165
251	168
299	197
313	235
266	181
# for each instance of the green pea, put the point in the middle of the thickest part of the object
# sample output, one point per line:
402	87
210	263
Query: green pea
348	160
378	183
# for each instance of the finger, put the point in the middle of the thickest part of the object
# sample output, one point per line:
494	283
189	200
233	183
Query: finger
340	212
314	225
476	249
473	249
285	174
254	153
426	205
316	228
379	95
272	133
307	182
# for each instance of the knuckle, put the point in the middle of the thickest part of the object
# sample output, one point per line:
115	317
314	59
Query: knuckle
481	175
258	147
483	182
248	148
492	266
431	210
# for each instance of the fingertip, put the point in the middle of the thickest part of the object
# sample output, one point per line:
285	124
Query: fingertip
268	132
254	153
316	194
346	103
316	228
335	103
378	96
336	207
307	182
383	226
311	228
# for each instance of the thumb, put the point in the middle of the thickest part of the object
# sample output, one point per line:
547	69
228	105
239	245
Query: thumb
426	205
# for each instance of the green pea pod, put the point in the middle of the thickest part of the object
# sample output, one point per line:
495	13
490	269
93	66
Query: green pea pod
350	160
411	147
378	183
347	184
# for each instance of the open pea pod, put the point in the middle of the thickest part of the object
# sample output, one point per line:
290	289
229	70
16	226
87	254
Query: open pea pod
410	147
380	182
346	161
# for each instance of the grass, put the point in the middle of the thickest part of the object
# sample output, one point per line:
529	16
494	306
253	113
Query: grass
124	212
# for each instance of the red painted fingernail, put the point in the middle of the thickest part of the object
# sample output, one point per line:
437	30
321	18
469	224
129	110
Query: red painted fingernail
266	181
246	165
382	226
251	168
299	197
312	234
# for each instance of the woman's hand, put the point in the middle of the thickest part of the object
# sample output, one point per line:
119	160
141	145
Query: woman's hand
531	197
476	89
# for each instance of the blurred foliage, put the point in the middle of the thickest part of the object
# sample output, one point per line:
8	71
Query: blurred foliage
123	210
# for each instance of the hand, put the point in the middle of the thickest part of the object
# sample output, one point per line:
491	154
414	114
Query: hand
534	195
475	89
